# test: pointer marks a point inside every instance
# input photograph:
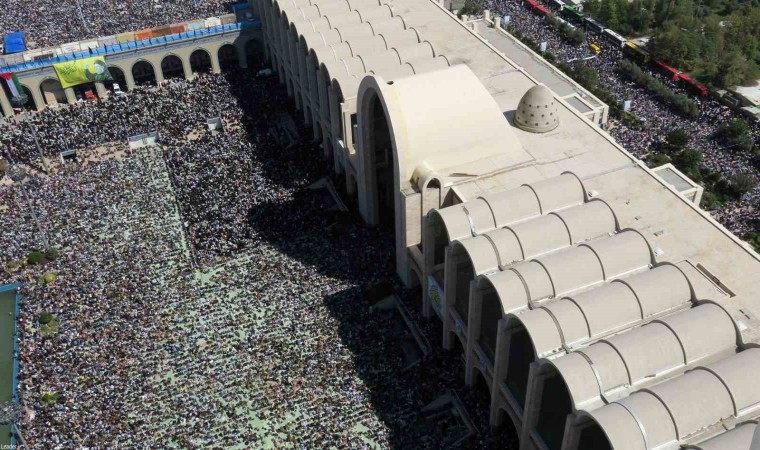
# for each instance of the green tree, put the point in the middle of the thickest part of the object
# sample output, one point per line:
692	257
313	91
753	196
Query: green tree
677	139
741	183
609	13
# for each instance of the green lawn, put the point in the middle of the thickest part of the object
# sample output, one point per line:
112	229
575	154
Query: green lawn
7	321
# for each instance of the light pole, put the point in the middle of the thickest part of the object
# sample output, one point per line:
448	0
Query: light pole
17	175
11	414
39	149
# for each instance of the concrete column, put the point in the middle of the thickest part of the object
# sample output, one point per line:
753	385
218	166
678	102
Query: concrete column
101	90
448	274
39	100
70	96
5	104
158	73
475	27
187	68
497	23
500	355
242	61
465	17
487	15
473	332
129	79
215	66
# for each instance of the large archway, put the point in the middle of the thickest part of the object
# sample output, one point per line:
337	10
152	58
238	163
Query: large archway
143	73
380	164
200	61
228	57
254	54
30	104
118	78
52	92
555	407
171	67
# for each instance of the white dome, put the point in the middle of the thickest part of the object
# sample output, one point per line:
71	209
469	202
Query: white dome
537	111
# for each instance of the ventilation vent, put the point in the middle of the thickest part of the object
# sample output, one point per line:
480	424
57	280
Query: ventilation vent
537	111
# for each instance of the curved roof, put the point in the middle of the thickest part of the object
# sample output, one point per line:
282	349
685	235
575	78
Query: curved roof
624	362
421	121
561	272
511	206
577	319
676	409
739	438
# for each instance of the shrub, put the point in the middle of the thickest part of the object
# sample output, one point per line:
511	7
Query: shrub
51	254
741	183
678	102
656	160
754	239
46	318
50	398
34	258
677	138
49	277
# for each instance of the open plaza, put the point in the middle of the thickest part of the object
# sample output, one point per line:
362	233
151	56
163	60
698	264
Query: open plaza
356	224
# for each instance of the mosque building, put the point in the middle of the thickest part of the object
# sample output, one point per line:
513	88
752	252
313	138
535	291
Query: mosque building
599	304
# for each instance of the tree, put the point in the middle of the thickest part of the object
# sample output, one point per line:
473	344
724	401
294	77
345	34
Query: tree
741	183
609	13
677	139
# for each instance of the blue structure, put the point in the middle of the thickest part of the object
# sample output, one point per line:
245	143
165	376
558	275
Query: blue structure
15	42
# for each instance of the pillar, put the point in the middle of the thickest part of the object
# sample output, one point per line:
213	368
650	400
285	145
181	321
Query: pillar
242	60
187	68
39	100
101	90
158	72
473	332
5	105
215	66
129	79
487	15
70	96
497	23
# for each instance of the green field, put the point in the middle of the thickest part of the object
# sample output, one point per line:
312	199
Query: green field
7	321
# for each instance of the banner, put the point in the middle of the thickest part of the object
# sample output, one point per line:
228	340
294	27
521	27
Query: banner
72	73
13	84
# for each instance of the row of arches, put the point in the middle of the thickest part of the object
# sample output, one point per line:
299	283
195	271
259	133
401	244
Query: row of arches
142	73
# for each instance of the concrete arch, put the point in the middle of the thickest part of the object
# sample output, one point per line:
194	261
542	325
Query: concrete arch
52	92
200	61
172	66
33	102
144	73
119	77
228	57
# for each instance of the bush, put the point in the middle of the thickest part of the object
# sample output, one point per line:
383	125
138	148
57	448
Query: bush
46	318
49	277
754	240
736	134
678	102
656	160
677	139
49	398
34	258
51	254
741	183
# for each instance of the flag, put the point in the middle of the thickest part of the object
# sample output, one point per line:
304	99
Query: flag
72	73
12	81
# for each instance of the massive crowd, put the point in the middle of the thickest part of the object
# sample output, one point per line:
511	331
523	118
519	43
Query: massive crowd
199	301
50	22
657	119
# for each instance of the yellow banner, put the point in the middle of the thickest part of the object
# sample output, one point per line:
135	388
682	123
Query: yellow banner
72	73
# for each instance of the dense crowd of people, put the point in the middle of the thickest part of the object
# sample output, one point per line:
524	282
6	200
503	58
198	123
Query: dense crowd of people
49	23
199	301
656	119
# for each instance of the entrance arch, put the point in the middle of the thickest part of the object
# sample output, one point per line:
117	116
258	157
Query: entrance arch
380	163
254	53
200	61
228	57
52	92
143	73
171	67
118	78
31	104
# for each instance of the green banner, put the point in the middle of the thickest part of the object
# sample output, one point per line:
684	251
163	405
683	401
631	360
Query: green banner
72	73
